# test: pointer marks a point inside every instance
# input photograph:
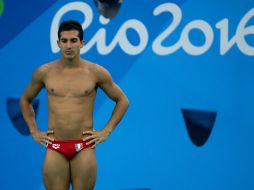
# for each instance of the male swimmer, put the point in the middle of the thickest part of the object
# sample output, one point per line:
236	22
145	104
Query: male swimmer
71	83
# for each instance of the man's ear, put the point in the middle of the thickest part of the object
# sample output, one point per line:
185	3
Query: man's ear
58	43
82	43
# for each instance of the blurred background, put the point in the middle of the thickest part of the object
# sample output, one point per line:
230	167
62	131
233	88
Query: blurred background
187	68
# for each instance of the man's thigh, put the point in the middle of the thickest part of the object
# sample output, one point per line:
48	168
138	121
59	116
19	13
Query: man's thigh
56	171
83	170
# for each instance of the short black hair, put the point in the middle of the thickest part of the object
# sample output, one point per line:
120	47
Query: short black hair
71	25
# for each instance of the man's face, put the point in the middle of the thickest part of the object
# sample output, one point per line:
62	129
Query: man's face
70	44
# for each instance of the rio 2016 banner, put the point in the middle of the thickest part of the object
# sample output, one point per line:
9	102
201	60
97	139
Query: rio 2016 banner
187	69
142	32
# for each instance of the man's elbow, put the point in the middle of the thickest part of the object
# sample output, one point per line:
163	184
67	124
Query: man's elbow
23	102
125	102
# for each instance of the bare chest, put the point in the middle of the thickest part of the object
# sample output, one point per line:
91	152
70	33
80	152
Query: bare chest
71	84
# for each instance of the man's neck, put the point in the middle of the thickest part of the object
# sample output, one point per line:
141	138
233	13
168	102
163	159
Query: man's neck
68	63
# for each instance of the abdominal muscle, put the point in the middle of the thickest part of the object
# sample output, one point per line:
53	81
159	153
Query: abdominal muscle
70	116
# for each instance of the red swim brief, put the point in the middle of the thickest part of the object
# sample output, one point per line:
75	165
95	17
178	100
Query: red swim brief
69	148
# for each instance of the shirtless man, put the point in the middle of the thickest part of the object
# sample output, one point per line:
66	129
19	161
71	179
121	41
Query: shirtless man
71	84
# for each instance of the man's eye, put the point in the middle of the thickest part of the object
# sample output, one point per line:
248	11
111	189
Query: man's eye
74	40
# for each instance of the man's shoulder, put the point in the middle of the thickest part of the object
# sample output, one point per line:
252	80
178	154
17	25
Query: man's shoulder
94	67
102	73
42	70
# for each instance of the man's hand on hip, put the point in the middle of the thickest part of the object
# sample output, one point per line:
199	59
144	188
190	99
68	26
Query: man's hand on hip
96	137
43	137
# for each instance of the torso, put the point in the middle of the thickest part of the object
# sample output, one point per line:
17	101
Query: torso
71	95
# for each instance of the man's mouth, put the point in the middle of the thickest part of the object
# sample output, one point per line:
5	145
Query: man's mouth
68	51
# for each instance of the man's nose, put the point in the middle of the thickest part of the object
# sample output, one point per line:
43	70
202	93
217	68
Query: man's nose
68	45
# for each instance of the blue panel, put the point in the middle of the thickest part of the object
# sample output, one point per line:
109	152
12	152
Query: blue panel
138	189
16	117
17	15
199	124
108	8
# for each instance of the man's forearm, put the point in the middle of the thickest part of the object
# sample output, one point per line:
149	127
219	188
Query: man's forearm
28	115
121	107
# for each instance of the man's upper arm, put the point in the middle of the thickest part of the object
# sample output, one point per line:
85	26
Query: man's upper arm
36	84
107	84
